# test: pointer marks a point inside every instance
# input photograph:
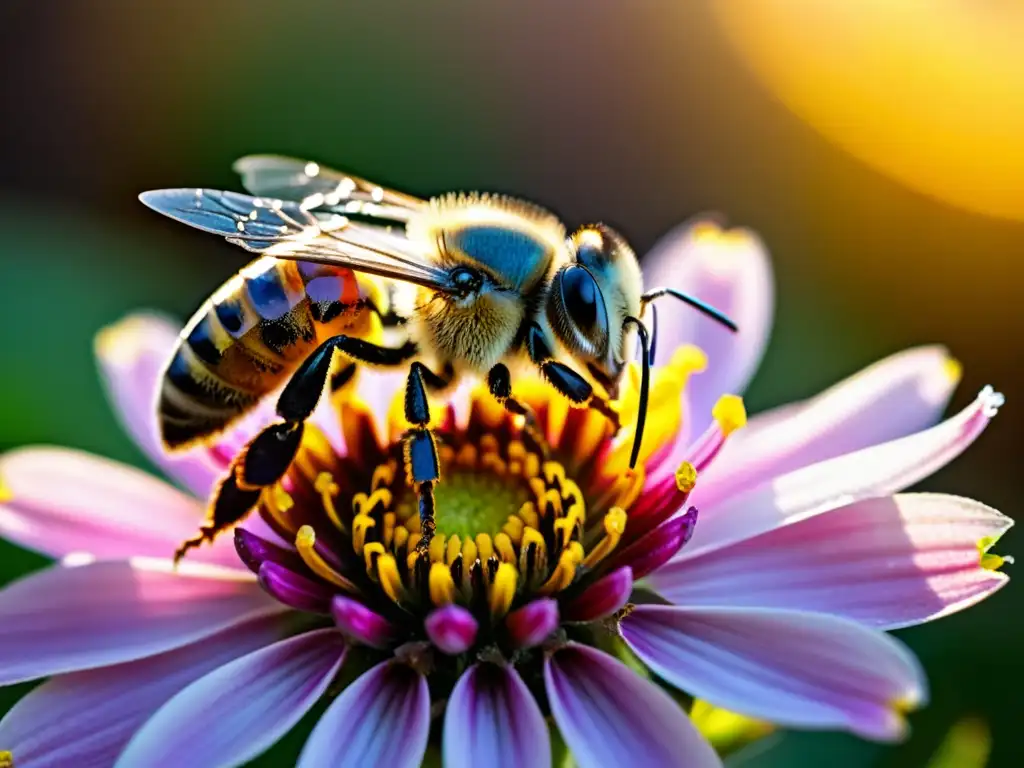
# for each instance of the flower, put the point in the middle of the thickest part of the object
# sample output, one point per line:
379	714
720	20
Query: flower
530	603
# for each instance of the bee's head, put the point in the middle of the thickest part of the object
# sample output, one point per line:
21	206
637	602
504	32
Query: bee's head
591	300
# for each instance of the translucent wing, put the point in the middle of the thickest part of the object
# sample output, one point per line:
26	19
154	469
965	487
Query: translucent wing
290	230
301	180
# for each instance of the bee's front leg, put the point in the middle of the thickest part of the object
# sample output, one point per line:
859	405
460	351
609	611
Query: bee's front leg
565	380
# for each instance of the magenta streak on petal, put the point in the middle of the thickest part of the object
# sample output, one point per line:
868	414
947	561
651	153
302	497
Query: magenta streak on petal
87	718
240	709
657	547
602	598
452	629
383	718
492	719
254	550
794	668
876	471
706	447
533	623
294	590
66	619
658	502
360	624
888	562
609	715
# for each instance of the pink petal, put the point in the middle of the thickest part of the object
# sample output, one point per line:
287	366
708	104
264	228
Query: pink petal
66	619
452	629
383	718
897	396
60	501
361	624
794	668
888	562
240	709
609	715
87	718
492	719
730	270
602	598
132	356
876	471
532	624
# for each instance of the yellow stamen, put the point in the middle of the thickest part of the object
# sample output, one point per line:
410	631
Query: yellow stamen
494	463
328	490
370	551
552	504
360	525
277	502
469	552
401	536
614	526
513	528
436	550
503	590
532	536
953	369
484	547
567	525
563	574
305	543
729	413
988	560
390	579
503	544
467	455
554	473
531	465
6	759
389	529
453	549
5	492
686	477
528	514
383	476
442	586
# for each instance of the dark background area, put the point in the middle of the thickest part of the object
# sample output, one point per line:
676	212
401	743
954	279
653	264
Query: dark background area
641	114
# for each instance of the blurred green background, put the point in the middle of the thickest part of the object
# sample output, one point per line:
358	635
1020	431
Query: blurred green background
639	113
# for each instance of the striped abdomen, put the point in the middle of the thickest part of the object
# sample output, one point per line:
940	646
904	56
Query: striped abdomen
248	338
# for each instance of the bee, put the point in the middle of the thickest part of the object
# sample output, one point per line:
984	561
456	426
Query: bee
476	285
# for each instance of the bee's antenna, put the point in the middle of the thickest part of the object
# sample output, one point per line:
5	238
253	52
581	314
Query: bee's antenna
645	388
707	309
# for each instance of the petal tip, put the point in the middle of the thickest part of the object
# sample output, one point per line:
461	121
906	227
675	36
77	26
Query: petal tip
118	344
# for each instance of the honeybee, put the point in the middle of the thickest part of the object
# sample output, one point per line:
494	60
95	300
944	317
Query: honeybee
478	283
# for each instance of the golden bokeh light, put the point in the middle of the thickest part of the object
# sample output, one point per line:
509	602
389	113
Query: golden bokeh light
930	92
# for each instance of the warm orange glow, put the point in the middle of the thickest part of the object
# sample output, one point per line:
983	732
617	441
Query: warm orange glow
928	91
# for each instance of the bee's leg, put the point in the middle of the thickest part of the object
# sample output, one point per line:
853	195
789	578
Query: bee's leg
267	457
565	380
499	382
422	467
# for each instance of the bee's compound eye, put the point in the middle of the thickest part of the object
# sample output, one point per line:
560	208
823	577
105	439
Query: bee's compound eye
582	300
465	280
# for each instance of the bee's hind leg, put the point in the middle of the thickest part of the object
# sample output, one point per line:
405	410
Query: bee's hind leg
267	457
422	466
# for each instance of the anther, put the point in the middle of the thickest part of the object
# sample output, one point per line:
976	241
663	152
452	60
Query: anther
503	590
686	477
328	490
614	526
563	573
305	543
442	586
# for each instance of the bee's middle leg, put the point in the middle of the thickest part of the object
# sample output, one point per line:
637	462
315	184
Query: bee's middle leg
422	466
267	457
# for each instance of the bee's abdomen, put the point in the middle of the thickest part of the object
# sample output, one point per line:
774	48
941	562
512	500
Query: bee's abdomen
246	341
